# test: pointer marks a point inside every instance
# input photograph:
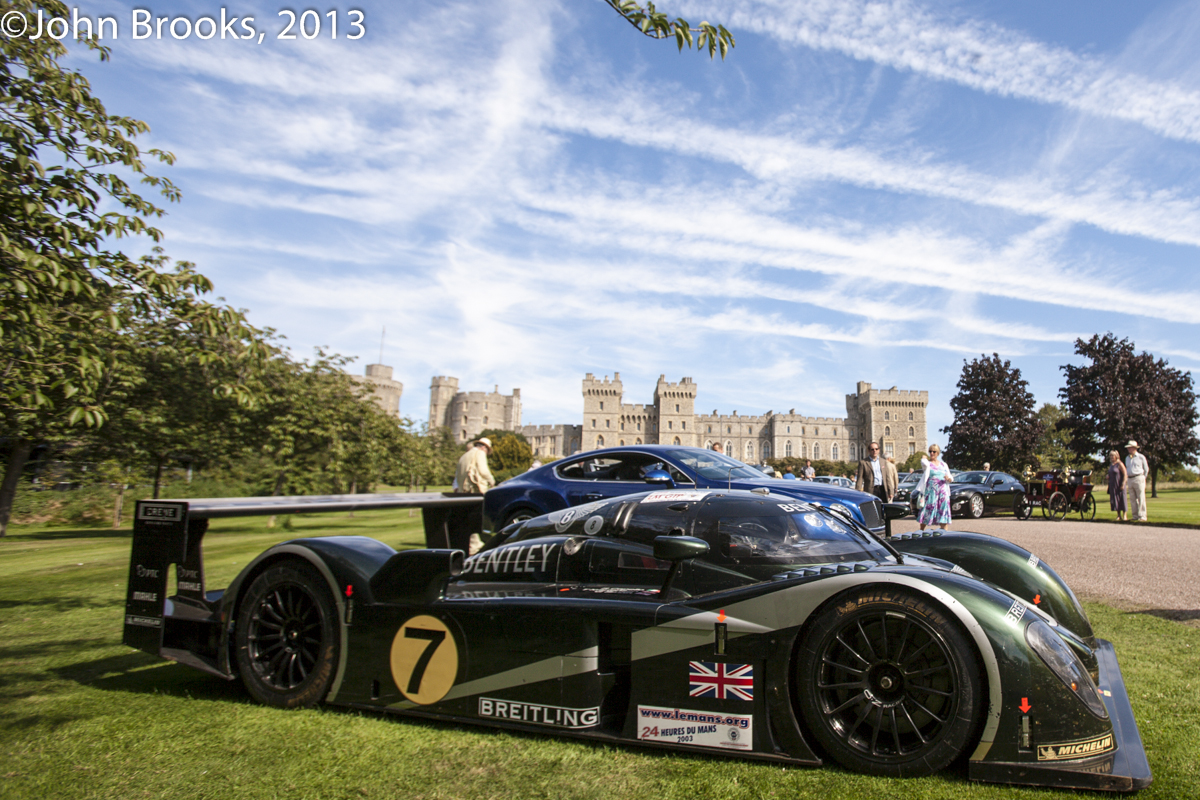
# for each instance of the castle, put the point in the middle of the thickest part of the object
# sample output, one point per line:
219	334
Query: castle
895	418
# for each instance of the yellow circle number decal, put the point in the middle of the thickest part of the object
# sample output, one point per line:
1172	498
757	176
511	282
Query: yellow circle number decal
424	659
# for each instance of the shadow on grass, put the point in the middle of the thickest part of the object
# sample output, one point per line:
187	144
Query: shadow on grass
63	603
1173	614
74	533
128	673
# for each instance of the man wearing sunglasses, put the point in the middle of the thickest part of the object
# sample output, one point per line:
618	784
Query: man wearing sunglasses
876	475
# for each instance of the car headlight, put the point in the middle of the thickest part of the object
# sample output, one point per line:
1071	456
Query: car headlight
1063	662
841	509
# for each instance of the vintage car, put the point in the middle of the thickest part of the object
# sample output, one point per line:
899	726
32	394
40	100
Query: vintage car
713	621
617	471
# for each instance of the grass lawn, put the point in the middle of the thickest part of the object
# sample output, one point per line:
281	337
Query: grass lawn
83	716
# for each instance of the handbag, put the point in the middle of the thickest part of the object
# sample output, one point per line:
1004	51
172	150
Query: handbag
919	500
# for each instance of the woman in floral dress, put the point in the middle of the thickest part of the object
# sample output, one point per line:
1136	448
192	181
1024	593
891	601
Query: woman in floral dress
936	488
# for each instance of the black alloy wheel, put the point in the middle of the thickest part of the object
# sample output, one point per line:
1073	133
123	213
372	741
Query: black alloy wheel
286	636
975	506
520	515
889	684
1022	508
1058	505
1087	508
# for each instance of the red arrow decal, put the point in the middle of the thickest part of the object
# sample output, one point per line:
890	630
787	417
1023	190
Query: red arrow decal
349	590
1024	705
1037	600
721	616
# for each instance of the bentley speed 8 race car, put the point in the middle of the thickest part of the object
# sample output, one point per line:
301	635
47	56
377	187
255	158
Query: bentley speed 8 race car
719	621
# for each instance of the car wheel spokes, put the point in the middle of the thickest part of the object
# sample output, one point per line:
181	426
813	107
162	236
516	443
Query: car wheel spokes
282	644
901	698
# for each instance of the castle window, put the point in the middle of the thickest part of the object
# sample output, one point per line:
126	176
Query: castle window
464	419
622	426
639	428
887	430
912	448
749	451
911	431
910	416
709	429
834	453
485	408
816	449
729	429
887	415
485	420
601	405
683	425
835	431
599	441
677	411
853	452
608	423
766	450
728	448
639	441
593	423
888	450
789	428
816	431
670	425
622	443
803	432
787	448
676	440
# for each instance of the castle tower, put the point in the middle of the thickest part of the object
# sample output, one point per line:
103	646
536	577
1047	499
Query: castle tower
386	392
441	396
894	418
601	411
675	406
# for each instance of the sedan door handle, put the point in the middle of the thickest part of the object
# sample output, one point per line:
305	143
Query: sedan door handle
590	496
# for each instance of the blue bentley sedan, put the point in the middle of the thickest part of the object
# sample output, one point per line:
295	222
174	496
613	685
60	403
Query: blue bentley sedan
600	474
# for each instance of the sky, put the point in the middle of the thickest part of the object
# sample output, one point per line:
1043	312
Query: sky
521	192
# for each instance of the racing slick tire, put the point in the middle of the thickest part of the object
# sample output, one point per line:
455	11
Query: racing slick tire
1058	506
888	683
975	506
1087	508
1022	508
286	637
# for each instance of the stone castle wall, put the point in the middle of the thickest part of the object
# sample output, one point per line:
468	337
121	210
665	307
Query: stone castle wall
895	418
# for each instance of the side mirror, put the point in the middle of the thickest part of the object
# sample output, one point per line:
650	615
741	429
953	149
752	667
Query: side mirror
678	548
659	477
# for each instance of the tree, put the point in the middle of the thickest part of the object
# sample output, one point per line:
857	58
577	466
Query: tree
63	289
658	25
1054	445
993	417
1121	395
912	463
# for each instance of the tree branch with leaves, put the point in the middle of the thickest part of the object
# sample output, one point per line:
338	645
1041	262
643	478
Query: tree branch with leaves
657	25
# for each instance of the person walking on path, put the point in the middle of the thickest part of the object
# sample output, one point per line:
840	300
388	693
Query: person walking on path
876	476
935	484
1136	469
1116	485
472	476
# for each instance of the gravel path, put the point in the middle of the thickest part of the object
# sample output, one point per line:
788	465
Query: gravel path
1128	565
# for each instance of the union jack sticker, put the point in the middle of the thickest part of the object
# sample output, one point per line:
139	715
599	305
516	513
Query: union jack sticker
720	681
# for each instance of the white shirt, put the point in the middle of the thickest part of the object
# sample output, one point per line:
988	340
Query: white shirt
1136	464
878	474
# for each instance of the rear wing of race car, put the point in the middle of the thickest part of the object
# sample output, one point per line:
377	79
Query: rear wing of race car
167	532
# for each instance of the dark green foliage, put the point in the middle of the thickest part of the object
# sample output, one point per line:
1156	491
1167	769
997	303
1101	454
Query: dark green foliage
820	466
1121	395
994	420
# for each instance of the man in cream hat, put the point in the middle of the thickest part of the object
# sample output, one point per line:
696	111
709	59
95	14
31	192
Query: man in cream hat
1136	469
472	476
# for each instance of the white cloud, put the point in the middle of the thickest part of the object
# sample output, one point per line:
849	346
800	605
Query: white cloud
980	55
